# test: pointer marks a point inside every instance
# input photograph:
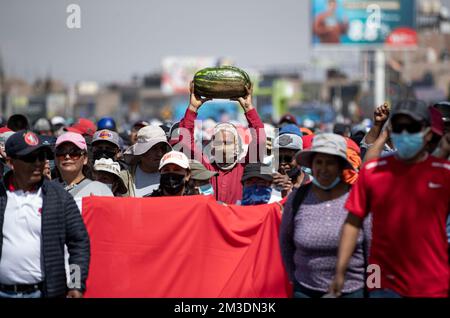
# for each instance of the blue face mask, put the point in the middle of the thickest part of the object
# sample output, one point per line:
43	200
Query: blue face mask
256	194
408	145
206	189
331	186
307	170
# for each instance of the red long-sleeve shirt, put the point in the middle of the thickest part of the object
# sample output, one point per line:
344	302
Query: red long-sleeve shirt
227	185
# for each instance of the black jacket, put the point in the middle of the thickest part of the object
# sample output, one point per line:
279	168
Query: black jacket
61	224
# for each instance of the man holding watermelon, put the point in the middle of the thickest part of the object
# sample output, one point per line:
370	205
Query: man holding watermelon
227	152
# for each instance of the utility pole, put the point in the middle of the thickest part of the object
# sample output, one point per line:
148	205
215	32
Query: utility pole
2	87
380	77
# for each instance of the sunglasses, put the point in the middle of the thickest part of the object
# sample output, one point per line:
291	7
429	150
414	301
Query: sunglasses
73	153
285	159
32	157
411	128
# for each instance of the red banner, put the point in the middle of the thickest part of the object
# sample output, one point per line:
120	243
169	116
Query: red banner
183	247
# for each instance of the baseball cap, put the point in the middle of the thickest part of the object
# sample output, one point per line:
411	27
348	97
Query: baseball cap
444	108
83	126
199	172
107	135
58	120
4	136
74	138
4	129
307	141
330	144
42	124
437	121
147	137
416	109
25	142
106	123
288	118
291	129
255	170
174	157
107	165
306	131
288	141
139	124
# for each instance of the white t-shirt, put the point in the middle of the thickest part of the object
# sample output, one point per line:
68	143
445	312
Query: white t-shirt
145	182
21	251
85	188
276	196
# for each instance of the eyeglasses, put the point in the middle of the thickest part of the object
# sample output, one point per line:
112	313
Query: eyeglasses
411	128
32	157
73	153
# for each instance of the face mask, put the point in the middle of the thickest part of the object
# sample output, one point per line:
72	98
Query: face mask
307	170
109	185
172	183
408	145
206	189
99	154
256	194
331	186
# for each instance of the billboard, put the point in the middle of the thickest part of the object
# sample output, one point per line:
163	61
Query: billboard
379	23
177	72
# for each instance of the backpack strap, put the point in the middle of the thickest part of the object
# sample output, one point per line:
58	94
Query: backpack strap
300	196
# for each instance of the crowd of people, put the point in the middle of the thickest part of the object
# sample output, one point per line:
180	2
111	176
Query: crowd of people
352	197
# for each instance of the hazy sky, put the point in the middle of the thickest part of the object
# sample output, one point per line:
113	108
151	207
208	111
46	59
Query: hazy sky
120	38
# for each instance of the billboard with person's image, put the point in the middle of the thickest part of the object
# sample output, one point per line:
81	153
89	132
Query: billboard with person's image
389	23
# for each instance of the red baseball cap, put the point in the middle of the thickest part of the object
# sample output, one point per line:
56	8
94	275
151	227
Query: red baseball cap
307	141
4	129
83	126
437	122
306	131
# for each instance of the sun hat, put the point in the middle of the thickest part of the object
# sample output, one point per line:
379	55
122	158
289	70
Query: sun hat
326	143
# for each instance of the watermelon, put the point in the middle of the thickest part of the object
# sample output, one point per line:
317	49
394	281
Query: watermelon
221	82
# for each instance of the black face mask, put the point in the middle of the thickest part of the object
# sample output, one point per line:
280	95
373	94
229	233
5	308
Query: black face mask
107	154
172	183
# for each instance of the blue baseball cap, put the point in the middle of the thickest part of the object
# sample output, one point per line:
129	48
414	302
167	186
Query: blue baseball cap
25	142
291	129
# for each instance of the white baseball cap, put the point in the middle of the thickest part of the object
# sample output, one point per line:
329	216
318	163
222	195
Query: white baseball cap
107	165
288	141
58	120
174	157
147	137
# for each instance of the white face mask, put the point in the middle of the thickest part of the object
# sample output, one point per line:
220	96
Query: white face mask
109	185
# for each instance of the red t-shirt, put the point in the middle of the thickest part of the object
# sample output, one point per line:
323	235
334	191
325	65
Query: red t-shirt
409	205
